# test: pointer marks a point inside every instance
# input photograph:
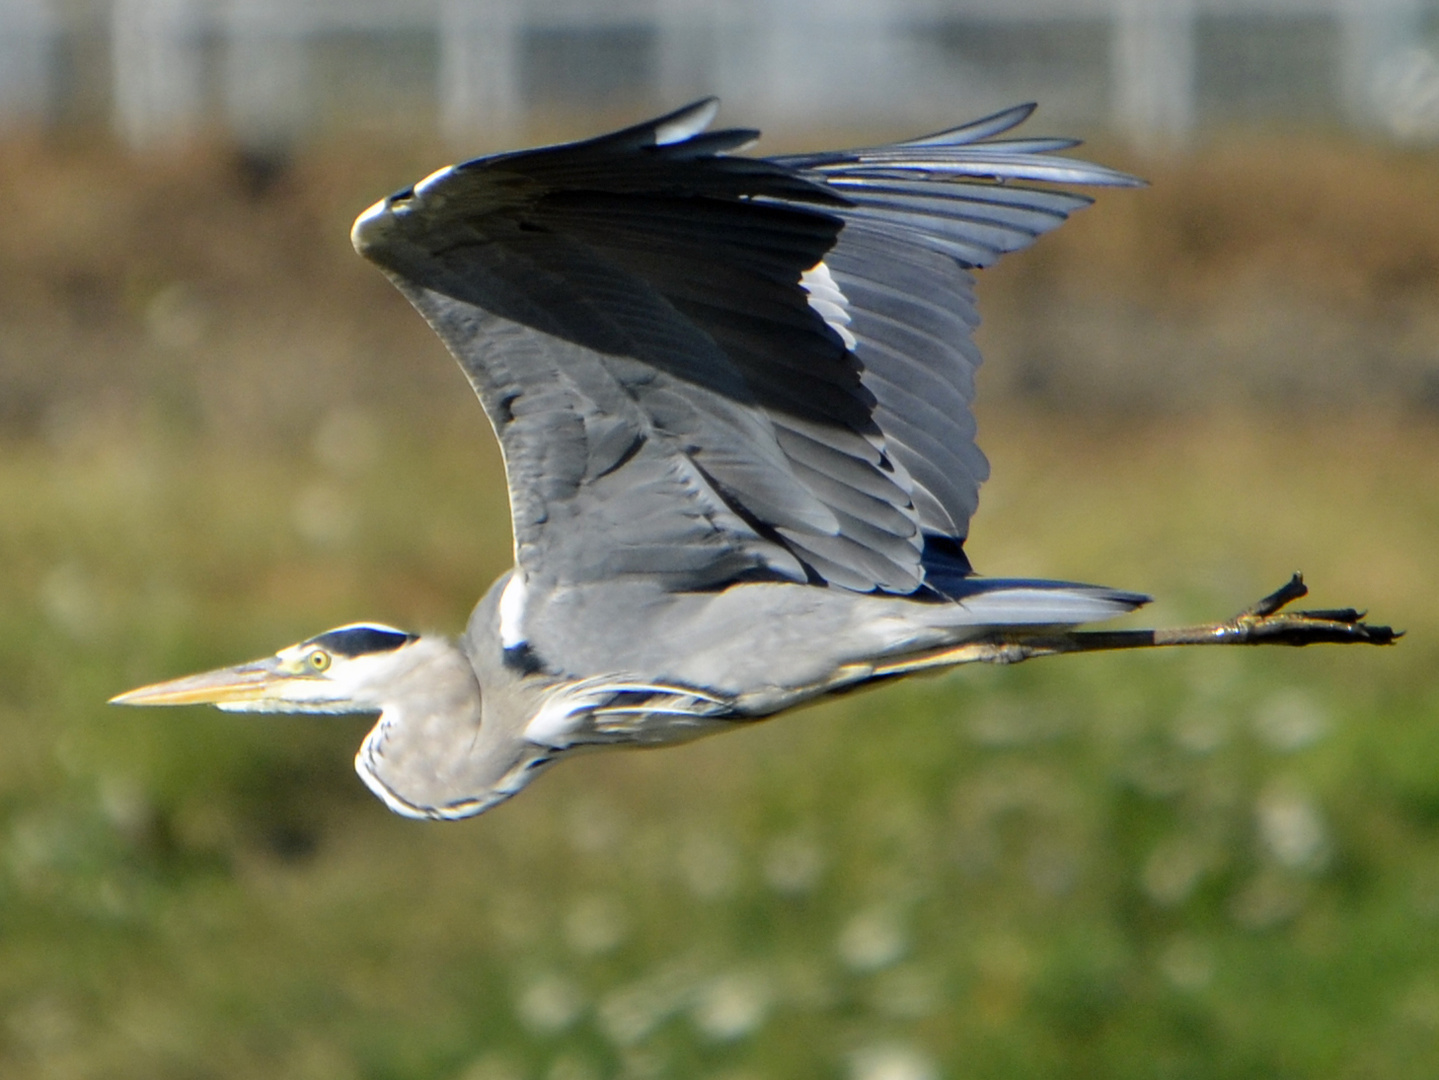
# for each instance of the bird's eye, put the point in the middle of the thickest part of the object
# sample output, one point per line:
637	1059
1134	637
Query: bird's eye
318	660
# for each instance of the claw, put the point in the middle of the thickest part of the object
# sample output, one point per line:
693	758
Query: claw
1312	627
1344	615
1287	593
1263	622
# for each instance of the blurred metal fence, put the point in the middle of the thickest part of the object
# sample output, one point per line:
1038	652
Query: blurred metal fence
271	70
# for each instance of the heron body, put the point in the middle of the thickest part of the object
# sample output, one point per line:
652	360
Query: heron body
733	399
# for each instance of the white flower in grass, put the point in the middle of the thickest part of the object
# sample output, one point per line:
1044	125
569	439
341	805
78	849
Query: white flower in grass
628	1013
733	1006
549	1004
872	939
1292	828
892	1061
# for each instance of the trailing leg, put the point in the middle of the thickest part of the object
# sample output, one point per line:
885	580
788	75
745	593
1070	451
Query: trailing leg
1264	623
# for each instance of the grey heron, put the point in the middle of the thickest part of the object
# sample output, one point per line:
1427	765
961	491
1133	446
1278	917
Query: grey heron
733	399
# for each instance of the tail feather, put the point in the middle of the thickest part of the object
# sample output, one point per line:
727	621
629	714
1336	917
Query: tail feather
1022	602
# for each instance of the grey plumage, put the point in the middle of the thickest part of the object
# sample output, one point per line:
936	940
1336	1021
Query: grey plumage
732	396
640	321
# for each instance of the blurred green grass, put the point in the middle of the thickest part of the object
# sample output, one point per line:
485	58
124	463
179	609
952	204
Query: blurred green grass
221	432
1195	864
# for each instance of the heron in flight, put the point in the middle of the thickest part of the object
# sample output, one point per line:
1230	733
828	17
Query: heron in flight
733	399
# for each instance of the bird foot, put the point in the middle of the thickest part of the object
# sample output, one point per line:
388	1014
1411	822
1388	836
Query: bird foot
1262	623
1266	623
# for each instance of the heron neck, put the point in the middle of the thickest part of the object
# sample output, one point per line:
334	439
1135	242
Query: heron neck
417	758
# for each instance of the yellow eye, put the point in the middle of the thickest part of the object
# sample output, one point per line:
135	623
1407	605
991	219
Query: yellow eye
318	660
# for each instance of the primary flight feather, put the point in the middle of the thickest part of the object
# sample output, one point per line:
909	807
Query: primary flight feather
733	399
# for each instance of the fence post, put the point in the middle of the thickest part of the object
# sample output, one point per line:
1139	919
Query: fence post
1387	76
264	72
158	76
479	77
1153	70
27	32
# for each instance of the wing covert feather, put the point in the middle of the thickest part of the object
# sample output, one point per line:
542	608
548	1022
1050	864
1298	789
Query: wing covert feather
703	367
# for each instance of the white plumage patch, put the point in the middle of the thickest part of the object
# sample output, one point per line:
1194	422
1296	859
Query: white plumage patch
686	125
558	719
512	612
618	710
828	299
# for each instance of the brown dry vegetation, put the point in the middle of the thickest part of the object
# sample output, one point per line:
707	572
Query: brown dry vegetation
1301	270
1181	864
220	286
218	291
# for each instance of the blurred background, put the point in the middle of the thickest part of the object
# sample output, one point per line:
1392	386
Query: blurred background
221	432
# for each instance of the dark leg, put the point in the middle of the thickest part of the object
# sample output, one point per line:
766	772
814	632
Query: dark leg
1264	623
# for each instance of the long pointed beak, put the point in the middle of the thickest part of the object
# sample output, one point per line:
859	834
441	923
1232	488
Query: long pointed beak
242	683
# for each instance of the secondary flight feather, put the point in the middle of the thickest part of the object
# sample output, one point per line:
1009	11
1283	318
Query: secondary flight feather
733	398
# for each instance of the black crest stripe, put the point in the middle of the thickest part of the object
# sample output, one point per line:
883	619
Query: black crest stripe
359	640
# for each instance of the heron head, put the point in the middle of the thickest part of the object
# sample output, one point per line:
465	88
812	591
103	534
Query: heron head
427	756
349	669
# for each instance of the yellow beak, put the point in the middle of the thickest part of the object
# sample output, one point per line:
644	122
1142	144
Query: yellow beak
244	682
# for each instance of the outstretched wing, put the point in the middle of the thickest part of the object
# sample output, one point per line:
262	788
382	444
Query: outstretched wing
919	216
705	368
